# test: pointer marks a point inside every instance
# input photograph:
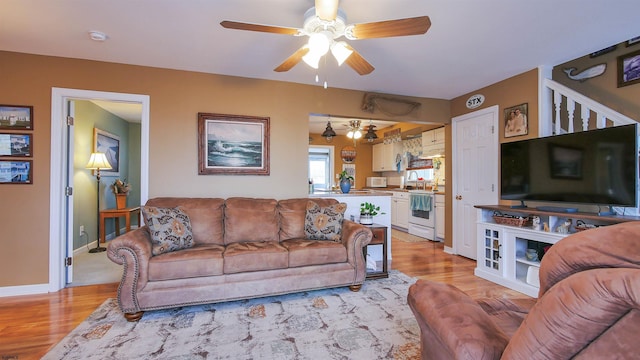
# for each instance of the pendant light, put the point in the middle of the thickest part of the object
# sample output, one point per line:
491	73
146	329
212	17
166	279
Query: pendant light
328	133
371	134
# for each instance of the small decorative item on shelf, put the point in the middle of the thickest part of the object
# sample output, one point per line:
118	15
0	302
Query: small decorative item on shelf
121	190
581	226
532	254
367	212
537	225
564	227
511	220
345	182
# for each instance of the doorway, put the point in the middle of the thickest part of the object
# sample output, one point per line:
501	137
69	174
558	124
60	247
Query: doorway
475	174
61	197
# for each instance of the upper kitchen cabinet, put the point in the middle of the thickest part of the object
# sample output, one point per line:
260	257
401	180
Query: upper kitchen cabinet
385	156
433	142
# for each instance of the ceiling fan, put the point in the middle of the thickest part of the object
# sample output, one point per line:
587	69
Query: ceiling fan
324	24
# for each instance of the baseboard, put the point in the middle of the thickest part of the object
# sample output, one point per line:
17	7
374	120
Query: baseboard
24	290
85	248
448	250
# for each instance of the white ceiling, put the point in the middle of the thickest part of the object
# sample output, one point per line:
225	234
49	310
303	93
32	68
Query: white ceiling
471	43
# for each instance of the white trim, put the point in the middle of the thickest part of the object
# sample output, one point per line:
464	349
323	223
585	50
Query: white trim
24	290
545	102
59	96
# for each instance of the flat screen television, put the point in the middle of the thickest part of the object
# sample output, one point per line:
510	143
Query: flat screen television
597	167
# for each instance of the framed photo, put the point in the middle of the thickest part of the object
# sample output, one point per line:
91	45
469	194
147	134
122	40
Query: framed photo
633	41
16	171
629	69
109	144
515	120
233	145
16	145
565	162
16	117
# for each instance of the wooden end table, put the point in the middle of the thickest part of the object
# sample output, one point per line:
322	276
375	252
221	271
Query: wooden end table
117	214
379	238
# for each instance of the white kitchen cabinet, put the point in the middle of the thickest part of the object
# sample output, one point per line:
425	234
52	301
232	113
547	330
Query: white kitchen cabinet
433	142
384	156
439	216
400	209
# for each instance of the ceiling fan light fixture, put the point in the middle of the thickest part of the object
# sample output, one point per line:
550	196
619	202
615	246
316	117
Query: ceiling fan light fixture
312	59
340	51
320	42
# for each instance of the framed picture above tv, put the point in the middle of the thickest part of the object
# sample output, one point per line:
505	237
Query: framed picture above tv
629	69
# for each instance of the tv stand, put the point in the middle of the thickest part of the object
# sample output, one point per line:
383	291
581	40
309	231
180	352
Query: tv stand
606	213
521	206
557	209
501	247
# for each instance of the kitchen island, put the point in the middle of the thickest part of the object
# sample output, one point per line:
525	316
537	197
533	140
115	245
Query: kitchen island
353	200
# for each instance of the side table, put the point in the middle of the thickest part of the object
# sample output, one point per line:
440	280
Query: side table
117	214
379	239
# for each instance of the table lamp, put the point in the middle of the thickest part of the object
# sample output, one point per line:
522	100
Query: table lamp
96	162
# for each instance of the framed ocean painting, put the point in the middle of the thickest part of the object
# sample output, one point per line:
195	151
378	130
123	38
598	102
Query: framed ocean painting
233	144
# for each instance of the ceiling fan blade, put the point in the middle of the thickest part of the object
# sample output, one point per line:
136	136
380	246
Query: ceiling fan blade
292	60
327	9
260	28
401	27
358	63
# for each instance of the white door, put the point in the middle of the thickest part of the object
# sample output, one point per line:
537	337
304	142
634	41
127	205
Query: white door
475	174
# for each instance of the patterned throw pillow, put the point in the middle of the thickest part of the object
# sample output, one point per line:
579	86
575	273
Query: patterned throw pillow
170	229
324	223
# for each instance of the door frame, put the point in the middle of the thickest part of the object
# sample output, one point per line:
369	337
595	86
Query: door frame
59	163
495	110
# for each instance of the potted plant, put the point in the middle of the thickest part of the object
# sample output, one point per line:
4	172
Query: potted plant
367	212
345	181
121	190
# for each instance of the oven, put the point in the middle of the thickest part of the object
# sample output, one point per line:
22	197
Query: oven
422	215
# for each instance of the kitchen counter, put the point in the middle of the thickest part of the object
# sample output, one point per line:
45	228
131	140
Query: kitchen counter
338	193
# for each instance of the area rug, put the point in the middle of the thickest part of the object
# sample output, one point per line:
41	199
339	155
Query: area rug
374	323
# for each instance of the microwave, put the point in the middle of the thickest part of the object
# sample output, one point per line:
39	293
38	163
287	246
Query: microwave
376	182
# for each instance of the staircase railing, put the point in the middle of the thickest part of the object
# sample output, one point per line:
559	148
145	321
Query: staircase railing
560	117
573	111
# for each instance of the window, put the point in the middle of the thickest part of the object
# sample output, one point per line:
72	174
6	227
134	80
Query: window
321	166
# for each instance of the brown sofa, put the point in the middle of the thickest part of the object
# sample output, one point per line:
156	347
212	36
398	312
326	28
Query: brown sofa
588	306
242	248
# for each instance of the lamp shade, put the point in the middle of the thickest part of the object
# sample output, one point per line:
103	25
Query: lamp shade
328	132
340	51
98	160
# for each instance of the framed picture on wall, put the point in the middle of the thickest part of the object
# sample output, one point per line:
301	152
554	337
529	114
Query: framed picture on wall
629	69
16	171
233	145
16	117
16	145
516	120
109	144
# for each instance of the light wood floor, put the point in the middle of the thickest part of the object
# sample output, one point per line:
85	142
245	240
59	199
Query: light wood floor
30	325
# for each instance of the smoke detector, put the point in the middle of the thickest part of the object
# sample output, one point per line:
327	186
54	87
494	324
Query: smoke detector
97	36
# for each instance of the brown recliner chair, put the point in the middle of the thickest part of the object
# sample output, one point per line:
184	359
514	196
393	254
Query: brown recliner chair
588	306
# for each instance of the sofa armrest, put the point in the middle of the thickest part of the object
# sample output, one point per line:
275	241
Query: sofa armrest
354	237
452	324
133	250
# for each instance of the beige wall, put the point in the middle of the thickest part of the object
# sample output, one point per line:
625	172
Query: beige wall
516	90
604	88
176	97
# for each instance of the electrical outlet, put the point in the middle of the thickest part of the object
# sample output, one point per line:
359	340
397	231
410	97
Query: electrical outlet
81	230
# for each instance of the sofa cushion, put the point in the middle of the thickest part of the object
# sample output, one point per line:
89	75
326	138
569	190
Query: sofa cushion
304	252
250	220
292	213
170	229
324	223
200	260
206	216
255	256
